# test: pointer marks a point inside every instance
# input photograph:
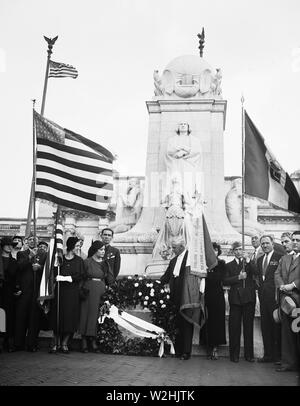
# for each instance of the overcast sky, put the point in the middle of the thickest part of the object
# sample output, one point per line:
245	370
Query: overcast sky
116	45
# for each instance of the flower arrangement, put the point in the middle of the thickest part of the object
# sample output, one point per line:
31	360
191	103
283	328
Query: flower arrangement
128	293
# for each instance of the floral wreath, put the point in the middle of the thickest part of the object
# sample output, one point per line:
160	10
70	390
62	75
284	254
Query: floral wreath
128	293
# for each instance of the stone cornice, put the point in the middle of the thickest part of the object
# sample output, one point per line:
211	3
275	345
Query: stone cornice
194	105
264	219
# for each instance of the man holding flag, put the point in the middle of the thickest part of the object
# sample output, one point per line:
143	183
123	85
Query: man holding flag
28	312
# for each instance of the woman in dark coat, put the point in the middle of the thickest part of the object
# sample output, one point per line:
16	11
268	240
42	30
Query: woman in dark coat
213	332
98	275
9	291
71	272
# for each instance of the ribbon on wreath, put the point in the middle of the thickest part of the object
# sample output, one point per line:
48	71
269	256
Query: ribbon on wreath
131	323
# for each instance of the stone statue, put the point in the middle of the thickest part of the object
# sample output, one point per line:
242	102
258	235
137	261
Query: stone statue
158	91
216	83
233	203
175	223
174	204
183	162
128	208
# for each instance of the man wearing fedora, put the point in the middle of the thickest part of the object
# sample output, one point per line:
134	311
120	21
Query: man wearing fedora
271	334
242	298
287	279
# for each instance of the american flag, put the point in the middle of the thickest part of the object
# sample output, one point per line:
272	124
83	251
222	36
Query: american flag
72	171
62	70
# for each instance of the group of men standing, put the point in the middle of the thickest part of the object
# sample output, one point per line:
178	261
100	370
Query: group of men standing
279	288
274	271
21	269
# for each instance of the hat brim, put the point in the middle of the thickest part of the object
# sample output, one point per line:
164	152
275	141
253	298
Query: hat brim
288	304
277	315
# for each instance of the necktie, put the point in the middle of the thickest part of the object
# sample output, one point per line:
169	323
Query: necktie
265	264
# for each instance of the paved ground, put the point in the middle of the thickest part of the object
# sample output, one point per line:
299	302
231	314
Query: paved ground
43	369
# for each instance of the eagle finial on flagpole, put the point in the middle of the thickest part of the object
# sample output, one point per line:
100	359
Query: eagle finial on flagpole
201	41
51	42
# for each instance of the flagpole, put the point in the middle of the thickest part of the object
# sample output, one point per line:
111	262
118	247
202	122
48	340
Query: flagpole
51	42
33	171
243	181
58	284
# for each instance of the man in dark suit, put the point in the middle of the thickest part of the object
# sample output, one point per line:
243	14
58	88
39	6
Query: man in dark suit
242	298
287	279
257	253
266	267
112	254
175	275
28	313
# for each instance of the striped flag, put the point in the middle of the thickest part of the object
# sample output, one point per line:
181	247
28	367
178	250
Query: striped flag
62	70
72	171
264	176
54	259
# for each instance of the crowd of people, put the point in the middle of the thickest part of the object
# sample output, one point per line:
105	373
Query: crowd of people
272	269
79	285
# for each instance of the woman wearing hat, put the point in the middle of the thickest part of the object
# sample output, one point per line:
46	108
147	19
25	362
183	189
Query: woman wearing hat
71	272
213	331
98	275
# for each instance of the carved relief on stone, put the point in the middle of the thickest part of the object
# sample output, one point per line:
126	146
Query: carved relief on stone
158	88
183	160
187	77
233	203
127	208
216	83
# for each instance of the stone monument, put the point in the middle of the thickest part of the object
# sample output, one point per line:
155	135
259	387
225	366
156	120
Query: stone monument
187	118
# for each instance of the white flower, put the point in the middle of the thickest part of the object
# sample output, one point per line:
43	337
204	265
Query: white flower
162	290
145	303
166	290
150	284
140	278
129	277
147	297
157	281
154	302
168	296
161	301
151	293
163	306
152	290
136	284
140	293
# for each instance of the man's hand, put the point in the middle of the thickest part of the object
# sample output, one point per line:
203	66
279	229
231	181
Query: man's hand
61	278
287	288
246	257
242	275
36	267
